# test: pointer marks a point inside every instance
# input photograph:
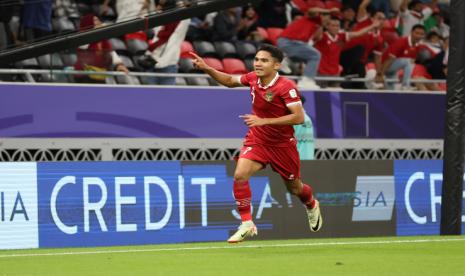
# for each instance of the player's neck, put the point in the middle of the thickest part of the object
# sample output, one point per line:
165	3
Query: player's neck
266	80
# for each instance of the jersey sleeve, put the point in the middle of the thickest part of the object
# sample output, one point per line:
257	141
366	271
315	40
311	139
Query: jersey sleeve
290	95
248	78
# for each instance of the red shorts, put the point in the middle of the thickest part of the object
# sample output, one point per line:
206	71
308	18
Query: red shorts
283	160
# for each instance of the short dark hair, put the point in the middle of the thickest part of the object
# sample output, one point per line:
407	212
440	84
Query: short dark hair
418	26
275	52
412	4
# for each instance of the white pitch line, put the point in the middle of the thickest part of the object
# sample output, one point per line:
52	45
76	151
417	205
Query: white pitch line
231	247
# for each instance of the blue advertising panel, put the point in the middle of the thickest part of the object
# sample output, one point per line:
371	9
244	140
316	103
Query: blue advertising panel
418	197
122	203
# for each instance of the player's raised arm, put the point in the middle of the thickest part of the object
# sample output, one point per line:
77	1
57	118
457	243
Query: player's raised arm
223	78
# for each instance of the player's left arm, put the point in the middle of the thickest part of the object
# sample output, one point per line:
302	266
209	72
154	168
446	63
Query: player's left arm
295	118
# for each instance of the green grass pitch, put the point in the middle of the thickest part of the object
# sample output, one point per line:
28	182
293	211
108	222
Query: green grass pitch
424	255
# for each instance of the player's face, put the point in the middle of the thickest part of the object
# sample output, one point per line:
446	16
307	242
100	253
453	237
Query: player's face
264	64
333	27
417	35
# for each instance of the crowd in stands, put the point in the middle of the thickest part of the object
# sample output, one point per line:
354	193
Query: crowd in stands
379	40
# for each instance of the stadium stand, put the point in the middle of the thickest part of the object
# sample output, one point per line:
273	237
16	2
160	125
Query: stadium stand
234	66
225	49
233	57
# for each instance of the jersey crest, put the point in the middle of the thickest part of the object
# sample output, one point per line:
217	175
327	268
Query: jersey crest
269	96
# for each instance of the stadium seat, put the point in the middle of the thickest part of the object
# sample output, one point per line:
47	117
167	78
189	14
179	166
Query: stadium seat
131	80
245	50
128	63
186	47
181	81
213	82
63	24
215	63
249	64
263	32
30	63
136	46
52	61
186	66
198	81
234	66
205	49
118	46
225	49
69	59
273	34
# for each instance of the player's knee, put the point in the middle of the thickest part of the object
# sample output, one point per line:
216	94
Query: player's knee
294	189
240	176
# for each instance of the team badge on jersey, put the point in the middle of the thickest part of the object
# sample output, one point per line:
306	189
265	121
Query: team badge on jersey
269	96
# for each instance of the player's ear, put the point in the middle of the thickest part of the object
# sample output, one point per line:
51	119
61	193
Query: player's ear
277	65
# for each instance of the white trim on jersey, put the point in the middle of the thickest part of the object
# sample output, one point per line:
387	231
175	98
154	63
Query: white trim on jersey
275	79
294	103
237	78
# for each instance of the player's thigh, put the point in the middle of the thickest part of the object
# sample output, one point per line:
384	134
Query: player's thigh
245	168
286	162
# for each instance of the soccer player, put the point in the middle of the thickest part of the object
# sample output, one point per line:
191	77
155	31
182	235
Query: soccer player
276	107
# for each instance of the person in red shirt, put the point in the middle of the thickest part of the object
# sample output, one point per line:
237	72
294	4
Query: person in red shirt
356	52
276	107
332	42
401	55
296	40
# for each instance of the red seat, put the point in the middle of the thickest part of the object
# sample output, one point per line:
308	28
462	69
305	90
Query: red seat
186	47
215	63
273	34
263	32
234	66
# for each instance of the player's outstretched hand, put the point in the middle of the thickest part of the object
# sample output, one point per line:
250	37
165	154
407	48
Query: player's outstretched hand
252	121
198	62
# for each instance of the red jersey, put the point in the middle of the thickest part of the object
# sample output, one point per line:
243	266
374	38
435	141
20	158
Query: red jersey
302	29
330	48
271	101
373	41
401	48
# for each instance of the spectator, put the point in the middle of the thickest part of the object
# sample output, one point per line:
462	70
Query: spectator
65	8
248	25
436	23
7	37
272	13
430	59
36	19
165	48
401	55
296	38
357	51
331	43
305	137
414	13
226	25
128	9
200	28
348	18
97	56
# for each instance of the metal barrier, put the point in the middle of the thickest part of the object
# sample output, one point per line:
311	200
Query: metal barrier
29	72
